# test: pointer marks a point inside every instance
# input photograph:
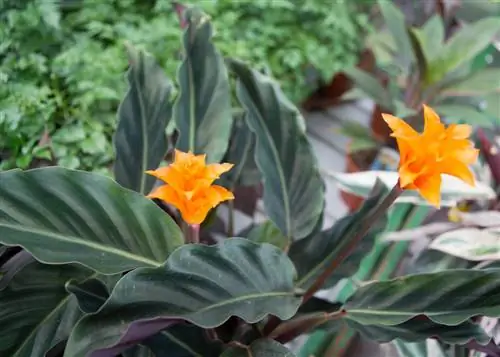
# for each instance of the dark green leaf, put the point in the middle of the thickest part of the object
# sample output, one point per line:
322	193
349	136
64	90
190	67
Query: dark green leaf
448	297
203	109
465	44
13	265
420	328
36	312
104	226
267	232
201	284
395	21
315	253
183	340
371	87
91	294
139	351
140	140
259	348
293	187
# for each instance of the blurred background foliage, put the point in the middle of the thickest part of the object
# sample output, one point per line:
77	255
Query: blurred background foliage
62	62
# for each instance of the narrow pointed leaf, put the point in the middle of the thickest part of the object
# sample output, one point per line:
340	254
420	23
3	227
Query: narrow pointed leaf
312	255
448	297
202	284
36	311
293	187
467	43
259	348
140	141
203	109
104	226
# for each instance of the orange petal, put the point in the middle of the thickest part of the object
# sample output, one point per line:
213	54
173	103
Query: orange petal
169	195
399	126
433	128
215	170
458	169
429	187
467	156
160	173
459	131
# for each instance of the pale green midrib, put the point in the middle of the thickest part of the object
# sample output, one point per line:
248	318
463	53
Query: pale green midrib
388	313
44	320
180	343
145	143
281	174
79	241
246	297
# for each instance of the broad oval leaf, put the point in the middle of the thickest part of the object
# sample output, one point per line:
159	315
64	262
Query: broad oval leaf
293	187
140	140
371	87
202	284
36	311
65	216
420	328
452	188
469	243
313	254
465	44
202	110
448	297
461	113
259	348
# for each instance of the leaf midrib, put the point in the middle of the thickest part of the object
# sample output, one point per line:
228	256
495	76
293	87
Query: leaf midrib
79	241
180	343
145	138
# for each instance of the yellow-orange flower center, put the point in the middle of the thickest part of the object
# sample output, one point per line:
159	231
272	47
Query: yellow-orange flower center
189	185
437	150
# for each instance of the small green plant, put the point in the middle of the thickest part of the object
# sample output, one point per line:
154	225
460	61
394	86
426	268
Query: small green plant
423	67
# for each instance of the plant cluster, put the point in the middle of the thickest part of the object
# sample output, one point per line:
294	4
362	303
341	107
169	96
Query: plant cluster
92	266
60	63
428	65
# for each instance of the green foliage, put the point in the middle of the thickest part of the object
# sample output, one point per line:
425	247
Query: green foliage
424	67
61	63
93	267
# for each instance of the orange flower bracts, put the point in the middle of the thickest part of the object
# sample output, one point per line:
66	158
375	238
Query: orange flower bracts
189	186
438	150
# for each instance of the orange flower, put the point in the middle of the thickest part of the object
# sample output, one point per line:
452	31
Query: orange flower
189	185
438	150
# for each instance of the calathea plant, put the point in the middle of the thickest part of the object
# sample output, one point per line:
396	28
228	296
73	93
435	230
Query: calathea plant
94	267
